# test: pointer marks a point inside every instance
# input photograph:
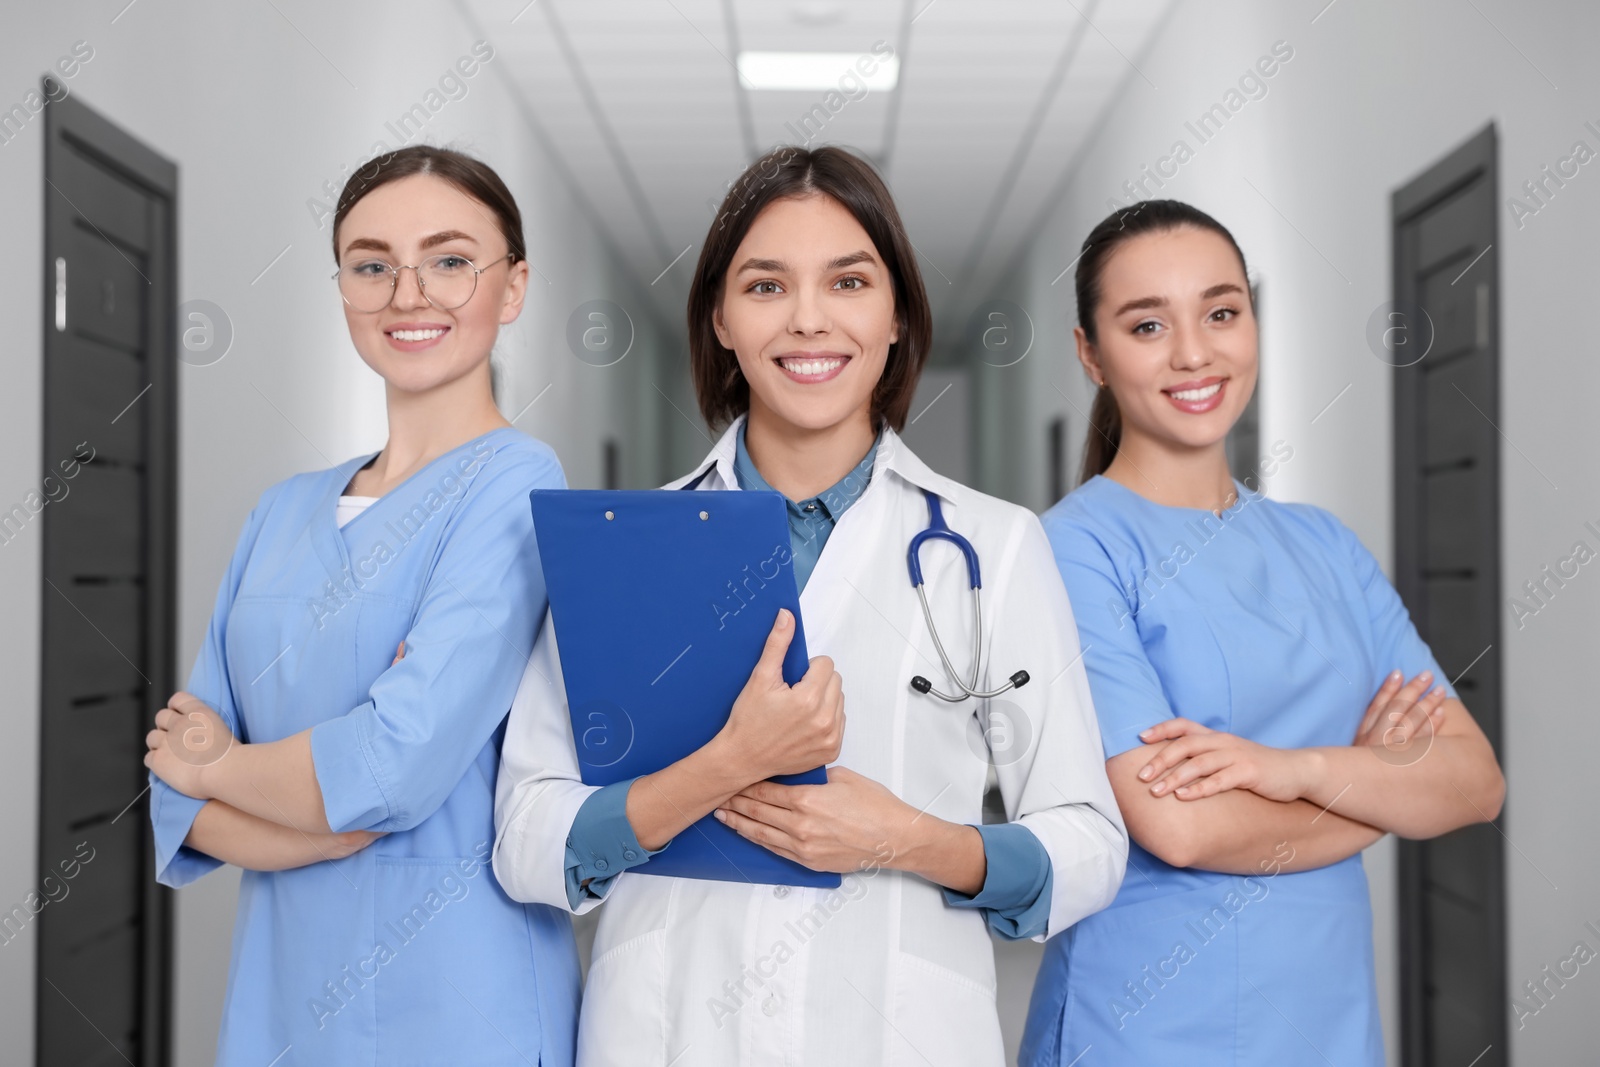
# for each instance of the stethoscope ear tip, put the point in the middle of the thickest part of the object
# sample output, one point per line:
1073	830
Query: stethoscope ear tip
1019	679
921	684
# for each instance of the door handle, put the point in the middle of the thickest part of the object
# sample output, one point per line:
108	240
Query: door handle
61	294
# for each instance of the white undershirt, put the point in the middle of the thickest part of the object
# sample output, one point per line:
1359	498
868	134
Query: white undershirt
351	506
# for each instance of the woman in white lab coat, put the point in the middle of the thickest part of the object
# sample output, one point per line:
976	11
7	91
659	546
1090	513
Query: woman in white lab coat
809	327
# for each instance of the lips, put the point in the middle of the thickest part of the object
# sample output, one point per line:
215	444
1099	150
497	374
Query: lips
812	367
415	336
1199	396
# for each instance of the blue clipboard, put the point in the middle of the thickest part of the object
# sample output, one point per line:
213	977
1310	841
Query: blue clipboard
662	601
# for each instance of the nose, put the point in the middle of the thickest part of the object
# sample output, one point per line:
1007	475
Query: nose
1188	348
408	289
809	317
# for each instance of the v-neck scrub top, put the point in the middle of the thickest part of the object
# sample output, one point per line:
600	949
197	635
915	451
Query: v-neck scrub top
407	952
1272	622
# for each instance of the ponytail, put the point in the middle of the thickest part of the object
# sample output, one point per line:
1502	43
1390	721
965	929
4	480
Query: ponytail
1105	435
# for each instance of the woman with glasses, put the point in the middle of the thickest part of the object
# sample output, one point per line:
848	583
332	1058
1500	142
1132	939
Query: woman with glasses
340	732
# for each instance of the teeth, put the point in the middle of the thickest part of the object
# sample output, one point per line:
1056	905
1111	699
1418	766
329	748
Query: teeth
1197	394
416	335
811	366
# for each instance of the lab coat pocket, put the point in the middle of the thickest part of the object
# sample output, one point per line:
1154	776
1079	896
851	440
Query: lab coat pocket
456	980
945	1018
620	1022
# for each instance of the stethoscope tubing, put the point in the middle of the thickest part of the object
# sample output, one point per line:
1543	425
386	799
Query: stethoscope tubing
938	528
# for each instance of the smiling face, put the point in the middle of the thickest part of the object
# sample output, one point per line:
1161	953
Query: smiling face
1175	339
413	345
808	308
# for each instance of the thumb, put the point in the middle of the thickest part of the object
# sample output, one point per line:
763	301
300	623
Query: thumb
770	666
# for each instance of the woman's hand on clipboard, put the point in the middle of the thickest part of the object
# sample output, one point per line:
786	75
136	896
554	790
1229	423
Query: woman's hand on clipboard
776	728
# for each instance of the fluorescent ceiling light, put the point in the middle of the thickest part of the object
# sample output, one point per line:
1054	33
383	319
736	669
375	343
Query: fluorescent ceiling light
818	70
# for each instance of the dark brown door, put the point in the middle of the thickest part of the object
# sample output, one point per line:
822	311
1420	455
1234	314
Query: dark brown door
1447	550
107	601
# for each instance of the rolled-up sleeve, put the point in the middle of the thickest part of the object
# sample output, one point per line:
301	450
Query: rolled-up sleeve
601	843
1055	786
1015	898
389	763
172	813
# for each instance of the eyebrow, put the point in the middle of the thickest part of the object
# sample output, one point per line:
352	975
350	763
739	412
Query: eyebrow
778	266
433	241
1144	302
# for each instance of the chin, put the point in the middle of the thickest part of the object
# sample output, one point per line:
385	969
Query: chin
814	416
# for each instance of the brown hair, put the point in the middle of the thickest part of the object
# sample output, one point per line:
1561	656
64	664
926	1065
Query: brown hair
790	173
1147	216
473	177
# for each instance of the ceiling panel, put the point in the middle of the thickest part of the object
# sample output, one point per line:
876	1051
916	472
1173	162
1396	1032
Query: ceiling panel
643	103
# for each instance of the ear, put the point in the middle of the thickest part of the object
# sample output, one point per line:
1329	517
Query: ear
724	338
1088	355
516	292
894	327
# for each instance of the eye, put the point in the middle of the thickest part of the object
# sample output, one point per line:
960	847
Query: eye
1224	314
370	268
766	287
450	264
851	282
1146	328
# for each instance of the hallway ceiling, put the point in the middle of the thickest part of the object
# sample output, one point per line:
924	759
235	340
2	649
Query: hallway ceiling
641	101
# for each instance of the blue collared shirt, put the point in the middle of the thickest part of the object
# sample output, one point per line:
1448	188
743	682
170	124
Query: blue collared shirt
813	519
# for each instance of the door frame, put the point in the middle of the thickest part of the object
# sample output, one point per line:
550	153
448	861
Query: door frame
1474	160
68	121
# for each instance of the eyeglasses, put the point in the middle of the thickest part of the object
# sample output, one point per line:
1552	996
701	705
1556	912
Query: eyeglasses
447	282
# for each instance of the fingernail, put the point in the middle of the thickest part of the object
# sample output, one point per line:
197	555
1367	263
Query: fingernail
1427	674
720	816
1147	733
1145	774
1159	788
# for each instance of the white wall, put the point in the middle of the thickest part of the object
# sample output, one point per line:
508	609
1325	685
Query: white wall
257	120
1372	96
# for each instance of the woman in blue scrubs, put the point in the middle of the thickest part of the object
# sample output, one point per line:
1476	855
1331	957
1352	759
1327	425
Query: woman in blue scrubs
1233	646
355	785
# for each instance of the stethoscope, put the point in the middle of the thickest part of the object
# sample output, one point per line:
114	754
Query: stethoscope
940	530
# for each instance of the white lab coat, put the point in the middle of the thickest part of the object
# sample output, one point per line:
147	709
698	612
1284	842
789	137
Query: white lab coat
882	970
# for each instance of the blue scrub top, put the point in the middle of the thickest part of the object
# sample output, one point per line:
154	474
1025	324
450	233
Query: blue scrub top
1272	622
407	952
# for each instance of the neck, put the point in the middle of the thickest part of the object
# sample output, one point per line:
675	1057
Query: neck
1174	475
424	426
800	462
